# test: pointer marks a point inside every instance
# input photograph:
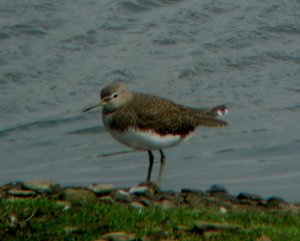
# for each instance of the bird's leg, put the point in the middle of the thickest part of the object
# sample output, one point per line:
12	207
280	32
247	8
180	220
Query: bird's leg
151	158
162	166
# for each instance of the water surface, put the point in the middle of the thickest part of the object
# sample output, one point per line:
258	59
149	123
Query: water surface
56	56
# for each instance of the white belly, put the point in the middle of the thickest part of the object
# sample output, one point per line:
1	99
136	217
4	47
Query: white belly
145	140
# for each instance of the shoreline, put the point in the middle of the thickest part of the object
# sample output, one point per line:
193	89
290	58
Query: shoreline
215	195
36	210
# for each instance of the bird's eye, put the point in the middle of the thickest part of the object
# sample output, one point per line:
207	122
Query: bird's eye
115	95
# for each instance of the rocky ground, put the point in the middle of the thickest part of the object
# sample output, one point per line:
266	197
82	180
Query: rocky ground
148	195
143	195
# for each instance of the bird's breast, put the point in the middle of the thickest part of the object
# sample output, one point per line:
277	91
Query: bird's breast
145	140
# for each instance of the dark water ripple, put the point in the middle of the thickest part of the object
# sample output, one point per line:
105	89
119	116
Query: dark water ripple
41	124
25	29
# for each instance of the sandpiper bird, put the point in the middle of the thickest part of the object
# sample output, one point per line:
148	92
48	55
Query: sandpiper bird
147	122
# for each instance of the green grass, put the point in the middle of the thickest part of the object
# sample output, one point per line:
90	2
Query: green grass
42	219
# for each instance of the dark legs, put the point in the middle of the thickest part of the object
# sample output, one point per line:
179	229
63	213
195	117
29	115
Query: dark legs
162	166
151	159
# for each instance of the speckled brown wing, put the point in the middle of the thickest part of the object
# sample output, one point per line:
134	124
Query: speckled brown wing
163	116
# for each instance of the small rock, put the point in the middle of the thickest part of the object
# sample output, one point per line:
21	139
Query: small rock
251	197
158	235
217	189
102	189
165	204
20	192
141	190
223	210
12	218
107	199
146	238
79	196
119	236
276	202
39	185
181	228
12	185
211	235
122	195
137	205
72	230
64	205
151	186
201	227
189	190
263	238
145	202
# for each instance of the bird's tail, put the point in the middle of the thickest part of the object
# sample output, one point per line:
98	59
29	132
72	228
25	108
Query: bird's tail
220	110
207	117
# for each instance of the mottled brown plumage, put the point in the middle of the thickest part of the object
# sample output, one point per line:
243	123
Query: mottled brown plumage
147	122
144	112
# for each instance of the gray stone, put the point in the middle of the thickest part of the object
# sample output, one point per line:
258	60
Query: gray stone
123	196
145	202
165	204
151	186
263	238
277	202
39	185
64	205
71	229
20	192
102	189
248	196
119	236
217	189
202	227
141	190
137	205
106	199
190	190
79	196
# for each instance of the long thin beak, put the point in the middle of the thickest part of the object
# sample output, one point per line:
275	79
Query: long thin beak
92	107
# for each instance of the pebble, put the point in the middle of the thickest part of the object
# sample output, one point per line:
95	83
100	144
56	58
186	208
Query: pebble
12	218
211	235
201	227
102	189
145	202
107	199
248	196
263	238
64	205
119	236
20	192
165	204
79	196
71	229
217	189
123	196
277	202
190	190
182	228
157	235
141	190
137	205
223	210
39	185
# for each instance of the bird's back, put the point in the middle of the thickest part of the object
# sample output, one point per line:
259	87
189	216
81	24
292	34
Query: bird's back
147	112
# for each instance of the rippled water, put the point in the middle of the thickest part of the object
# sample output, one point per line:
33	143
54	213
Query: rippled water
55	56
